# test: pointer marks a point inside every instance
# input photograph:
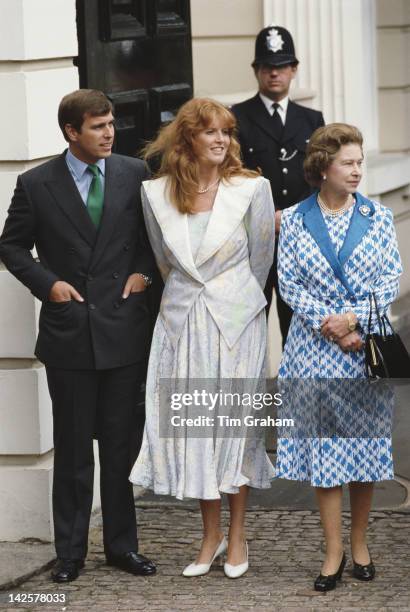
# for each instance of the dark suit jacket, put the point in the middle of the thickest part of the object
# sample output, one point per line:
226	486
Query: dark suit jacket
47	212
279	160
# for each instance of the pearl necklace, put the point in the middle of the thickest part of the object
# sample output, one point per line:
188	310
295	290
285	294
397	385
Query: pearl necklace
330	211
206	189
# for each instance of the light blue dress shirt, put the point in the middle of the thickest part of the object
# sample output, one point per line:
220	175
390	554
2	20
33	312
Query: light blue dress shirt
81	175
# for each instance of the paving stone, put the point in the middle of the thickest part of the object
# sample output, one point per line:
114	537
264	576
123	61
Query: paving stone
285	553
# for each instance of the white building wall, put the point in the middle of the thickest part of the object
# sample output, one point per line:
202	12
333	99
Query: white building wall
337	54
37	43
391	168
223	39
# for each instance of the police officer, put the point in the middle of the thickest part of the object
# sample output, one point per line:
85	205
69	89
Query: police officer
274	132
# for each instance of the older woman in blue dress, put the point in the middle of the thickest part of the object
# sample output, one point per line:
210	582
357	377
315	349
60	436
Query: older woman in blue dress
335	248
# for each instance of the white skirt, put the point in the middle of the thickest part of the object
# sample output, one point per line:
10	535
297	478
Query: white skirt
202	468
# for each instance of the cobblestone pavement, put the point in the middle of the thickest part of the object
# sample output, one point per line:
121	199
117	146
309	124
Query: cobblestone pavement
285	556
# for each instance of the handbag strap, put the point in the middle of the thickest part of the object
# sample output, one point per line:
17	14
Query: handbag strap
385	320
376	307
380	319
369	323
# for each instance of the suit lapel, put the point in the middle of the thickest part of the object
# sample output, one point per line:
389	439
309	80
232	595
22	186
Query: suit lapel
359	225
315	224
67	197
261	117
114	189
173	224
231	203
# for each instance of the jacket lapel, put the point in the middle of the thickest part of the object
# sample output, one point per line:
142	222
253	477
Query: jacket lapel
315	224
173	224
231	203
292	123
114	189
66	195
360	223
260	116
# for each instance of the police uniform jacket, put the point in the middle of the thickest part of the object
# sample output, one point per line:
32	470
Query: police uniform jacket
105	331
279	159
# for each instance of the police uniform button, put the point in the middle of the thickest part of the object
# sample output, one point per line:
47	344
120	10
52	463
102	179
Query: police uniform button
285	170
92	307
116	304
115	275
307	140
284	192
126	247
250	149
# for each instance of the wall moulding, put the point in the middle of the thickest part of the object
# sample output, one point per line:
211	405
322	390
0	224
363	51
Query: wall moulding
11	166
32	65
306	96
387	172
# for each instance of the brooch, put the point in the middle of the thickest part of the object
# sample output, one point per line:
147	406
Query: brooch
364	210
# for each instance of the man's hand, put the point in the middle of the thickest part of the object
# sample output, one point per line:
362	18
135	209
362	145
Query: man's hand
63	292
335	326
135	284
278	218
351	342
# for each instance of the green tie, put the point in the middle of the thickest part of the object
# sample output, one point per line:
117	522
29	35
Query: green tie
95	197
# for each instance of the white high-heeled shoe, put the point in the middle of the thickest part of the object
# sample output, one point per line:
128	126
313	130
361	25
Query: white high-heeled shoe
200	569
235	571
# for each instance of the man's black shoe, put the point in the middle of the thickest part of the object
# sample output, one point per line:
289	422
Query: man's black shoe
133	563
66	570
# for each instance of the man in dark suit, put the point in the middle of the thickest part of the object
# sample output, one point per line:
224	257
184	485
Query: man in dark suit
273	133
82	212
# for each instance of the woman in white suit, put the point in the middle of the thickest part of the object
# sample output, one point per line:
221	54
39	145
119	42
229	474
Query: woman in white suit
211	227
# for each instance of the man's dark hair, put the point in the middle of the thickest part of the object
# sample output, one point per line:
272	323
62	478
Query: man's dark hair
75	105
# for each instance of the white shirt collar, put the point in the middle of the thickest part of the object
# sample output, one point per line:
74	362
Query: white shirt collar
283	104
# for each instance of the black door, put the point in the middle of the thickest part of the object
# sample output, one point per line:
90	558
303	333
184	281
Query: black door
139	53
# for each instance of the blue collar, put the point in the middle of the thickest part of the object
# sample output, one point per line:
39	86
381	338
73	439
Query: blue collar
79	167
360	223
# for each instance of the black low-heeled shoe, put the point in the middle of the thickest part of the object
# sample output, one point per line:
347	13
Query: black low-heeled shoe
133	563
364	572
66	570
328	583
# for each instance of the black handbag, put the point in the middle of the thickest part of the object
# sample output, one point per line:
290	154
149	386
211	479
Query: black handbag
386	355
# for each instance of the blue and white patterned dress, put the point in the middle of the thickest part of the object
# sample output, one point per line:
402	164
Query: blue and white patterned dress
363	248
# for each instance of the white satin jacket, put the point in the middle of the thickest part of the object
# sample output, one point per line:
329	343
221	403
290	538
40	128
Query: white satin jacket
233	260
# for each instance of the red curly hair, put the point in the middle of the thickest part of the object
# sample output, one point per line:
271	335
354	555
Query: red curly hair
174	145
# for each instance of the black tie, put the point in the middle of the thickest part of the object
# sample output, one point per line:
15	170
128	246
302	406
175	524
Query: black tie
277	124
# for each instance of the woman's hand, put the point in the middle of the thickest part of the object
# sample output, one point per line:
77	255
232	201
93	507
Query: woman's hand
351	342
336	326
